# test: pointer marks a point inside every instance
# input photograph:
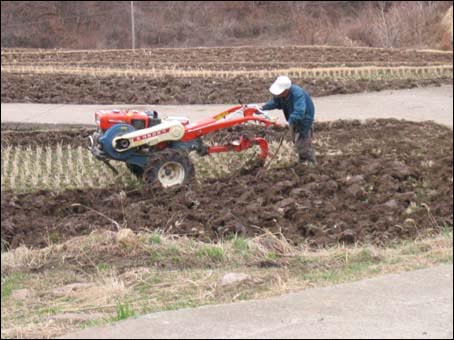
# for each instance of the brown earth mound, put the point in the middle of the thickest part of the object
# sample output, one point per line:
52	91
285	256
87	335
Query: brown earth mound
386	180
24	137
84	89
72	89
245	56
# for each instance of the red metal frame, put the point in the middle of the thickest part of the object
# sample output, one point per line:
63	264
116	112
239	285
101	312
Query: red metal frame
242	144
219	121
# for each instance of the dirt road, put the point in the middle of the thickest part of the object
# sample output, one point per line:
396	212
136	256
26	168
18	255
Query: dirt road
420	104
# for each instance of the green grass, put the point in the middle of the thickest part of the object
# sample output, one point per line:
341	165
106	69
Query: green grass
272	256
184	303
240	244
166	255
346	273
46	311
363	256
123	311
10	283
155	239
446	230
103	267
214	253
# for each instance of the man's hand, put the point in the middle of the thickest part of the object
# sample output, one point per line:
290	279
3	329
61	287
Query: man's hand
259	111
258	108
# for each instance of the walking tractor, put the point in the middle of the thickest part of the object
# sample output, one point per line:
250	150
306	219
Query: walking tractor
157	149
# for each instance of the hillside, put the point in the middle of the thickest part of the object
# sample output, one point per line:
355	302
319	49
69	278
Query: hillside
101	25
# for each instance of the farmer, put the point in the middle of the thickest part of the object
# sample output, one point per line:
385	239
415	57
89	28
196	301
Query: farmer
299	112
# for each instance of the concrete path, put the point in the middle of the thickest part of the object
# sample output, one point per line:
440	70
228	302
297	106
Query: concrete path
409	305
420	104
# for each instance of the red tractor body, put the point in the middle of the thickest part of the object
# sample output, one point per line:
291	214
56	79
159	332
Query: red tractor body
139	120
140	139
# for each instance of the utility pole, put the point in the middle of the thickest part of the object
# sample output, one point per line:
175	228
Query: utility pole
132	26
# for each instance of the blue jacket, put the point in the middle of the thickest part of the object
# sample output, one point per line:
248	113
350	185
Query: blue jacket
298	107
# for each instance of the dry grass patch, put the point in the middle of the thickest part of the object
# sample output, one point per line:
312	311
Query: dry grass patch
342	73
98	279
27	169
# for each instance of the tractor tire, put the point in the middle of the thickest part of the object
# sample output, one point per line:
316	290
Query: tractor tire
168	167
135	169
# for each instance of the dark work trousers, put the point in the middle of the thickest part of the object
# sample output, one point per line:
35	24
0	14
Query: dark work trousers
303	144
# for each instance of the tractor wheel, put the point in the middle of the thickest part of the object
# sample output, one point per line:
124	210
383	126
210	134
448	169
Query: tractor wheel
135	169
169	167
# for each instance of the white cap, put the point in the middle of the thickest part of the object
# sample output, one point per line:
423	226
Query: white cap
281	84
